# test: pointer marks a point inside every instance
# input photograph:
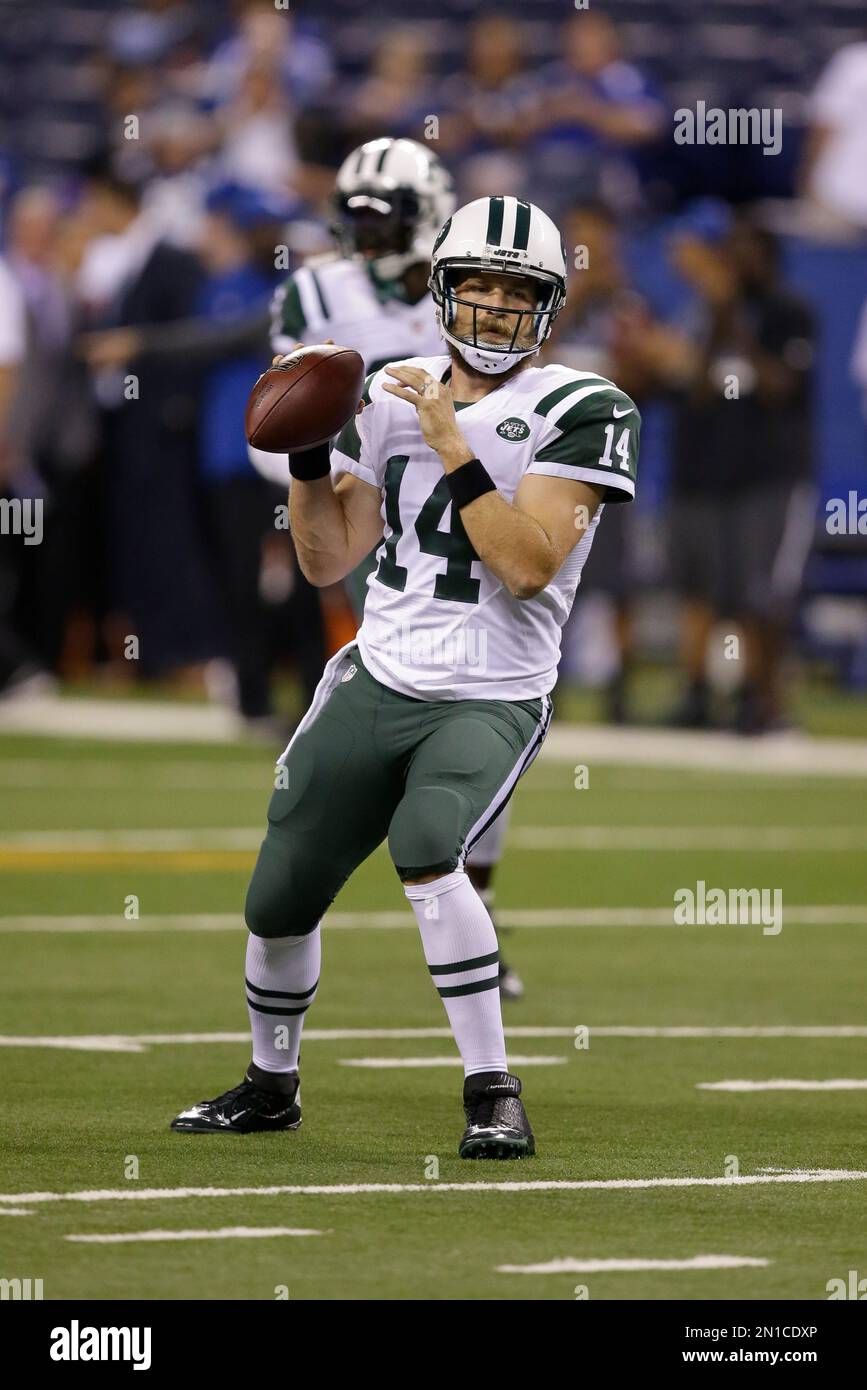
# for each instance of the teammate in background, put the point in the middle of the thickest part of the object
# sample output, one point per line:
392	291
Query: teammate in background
485	477
391	198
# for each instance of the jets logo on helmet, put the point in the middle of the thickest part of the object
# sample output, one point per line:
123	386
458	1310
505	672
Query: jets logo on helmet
391	198
510	237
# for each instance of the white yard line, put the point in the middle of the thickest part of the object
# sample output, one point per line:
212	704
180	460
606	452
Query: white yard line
788	755
808	914
140	721
527	838
15	1211
156	775
373	1189
224	1233
206	774
390	1063
140	1042
570	1265
751	838
166	721
784	1084
156	840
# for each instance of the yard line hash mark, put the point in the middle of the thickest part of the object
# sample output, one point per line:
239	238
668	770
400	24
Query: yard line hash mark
140	1042
224	1233
163	1194
784	1084
571	1265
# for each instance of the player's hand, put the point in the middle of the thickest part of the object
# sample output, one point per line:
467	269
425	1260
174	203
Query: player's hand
436	408
112	347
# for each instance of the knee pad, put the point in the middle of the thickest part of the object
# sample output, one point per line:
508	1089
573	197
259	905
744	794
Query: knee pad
286	896
425	832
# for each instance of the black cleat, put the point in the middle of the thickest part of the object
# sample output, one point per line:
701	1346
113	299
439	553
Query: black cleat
251	1106
497	1124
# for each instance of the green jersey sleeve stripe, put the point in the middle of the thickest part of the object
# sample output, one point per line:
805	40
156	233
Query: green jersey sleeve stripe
582	409
349	441
547	403
287	314
596	443
619	487
326	313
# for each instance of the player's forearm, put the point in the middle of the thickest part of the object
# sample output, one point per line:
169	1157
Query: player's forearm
514	546
320	531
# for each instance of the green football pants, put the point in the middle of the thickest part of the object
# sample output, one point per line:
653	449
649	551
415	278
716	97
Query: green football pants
367	764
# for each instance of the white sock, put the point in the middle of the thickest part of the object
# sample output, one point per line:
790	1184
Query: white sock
460	947
281	977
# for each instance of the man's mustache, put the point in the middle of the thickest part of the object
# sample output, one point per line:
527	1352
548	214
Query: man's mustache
503	323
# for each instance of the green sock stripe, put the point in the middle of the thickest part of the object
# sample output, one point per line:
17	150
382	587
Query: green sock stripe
284	1013
453	991
281	994
457	966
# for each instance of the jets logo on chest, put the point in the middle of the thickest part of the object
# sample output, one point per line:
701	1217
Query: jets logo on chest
513	429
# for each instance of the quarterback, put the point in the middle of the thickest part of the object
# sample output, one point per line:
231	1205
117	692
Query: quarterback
481	479
390	200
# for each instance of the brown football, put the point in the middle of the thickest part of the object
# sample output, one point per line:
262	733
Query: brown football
305	400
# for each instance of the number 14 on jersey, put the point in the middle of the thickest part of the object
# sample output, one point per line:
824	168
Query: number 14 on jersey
621	448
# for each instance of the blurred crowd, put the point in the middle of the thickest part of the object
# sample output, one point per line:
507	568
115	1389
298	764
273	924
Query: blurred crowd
137	273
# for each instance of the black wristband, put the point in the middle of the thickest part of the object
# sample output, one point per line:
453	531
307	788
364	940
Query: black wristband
470	481
311	463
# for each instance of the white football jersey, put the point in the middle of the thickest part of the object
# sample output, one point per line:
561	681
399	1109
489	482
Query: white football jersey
438	624
330	297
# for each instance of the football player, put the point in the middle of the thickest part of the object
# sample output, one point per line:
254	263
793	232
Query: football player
390	200
483	478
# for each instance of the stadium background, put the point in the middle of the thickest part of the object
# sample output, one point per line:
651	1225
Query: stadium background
133	796
220	102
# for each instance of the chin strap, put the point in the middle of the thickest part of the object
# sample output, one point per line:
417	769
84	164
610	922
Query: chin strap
492	363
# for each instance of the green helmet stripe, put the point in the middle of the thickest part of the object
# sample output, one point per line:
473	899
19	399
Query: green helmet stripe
522	227
495	221
380	163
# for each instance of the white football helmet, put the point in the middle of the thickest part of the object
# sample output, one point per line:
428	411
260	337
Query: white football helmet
510	237
391	198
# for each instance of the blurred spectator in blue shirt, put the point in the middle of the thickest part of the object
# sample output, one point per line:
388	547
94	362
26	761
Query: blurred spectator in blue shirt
480	129
269	37
589	115
236	282
249	550
398	93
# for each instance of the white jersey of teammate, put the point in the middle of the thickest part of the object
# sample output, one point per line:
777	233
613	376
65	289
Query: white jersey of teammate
438	624
331	297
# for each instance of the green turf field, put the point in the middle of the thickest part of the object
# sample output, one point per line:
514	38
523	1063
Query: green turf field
623	1108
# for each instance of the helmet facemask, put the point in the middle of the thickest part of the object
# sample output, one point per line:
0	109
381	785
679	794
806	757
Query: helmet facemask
378	229
479	353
